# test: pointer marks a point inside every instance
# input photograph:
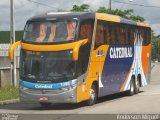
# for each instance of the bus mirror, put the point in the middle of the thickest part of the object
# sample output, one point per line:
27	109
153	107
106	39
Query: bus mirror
76	48
11	49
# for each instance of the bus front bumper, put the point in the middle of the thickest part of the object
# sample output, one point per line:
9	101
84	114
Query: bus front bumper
68	96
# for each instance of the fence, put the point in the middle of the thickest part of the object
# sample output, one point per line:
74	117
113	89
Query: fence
5	77
5	65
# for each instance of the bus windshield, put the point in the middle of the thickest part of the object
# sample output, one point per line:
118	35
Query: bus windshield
47	66
60	31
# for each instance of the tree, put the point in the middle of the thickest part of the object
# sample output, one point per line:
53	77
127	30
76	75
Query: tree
137	18
80	8
155	47
103	10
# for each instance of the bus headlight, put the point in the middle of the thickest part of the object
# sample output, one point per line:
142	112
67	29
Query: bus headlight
69	88
74	84
23	88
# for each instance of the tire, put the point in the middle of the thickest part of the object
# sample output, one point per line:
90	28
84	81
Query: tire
45	105
93	96
132	87
137	86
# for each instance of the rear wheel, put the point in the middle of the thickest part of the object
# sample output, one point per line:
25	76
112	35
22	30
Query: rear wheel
132	87
93	96
45	105
137	86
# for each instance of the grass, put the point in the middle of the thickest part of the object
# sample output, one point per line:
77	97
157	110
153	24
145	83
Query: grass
9	93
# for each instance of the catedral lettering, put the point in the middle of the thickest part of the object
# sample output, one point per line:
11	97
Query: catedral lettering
65	57
122	52
43	86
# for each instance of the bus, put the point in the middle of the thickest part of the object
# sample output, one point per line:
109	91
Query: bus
70	57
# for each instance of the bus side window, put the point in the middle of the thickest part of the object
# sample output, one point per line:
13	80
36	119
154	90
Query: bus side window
129	35
86	30
126	35
144	38
71	30
122	35
112	31
107	34
148	33
133	35
99	39
116	34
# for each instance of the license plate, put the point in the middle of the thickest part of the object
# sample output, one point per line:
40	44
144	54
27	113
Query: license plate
44	98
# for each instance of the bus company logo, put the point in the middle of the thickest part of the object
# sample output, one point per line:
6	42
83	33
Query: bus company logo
43	86
121	52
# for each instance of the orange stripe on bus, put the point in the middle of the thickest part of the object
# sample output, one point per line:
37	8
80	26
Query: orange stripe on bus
107	17
143	24
145	58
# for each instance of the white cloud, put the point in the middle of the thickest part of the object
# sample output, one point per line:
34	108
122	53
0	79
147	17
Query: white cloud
25	9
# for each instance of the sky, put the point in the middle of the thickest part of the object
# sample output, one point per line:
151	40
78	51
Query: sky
25	9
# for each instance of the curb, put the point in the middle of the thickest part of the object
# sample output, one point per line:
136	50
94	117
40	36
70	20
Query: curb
9	101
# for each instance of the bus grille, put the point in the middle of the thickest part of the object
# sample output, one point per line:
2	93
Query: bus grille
44	91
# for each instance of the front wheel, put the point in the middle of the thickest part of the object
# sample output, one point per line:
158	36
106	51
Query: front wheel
93	96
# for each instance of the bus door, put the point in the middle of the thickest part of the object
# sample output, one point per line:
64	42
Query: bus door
99	53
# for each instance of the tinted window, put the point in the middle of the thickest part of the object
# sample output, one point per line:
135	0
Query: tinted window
50	31
99	39
86	30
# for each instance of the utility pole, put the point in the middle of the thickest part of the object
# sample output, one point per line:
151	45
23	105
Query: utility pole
110	4
12	40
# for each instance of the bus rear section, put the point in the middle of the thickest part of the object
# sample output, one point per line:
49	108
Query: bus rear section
123	49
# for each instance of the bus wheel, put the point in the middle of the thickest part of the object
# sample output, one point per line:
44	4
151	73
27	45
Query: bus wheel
93	96
45	105
137	86
132	87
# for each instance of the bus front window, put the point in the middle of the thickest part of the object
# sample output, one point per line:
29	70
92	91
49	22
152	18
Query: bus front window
47	66
50	31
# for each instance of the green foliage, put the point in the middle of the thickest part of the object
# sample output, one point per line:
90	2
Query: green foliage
103	10
155	48
80	8
127	14
137	18
5	36
9	93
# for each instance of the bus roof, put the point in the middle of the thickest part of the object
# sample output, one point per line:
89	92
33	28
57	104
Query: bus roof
114	18
64	15
86	15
